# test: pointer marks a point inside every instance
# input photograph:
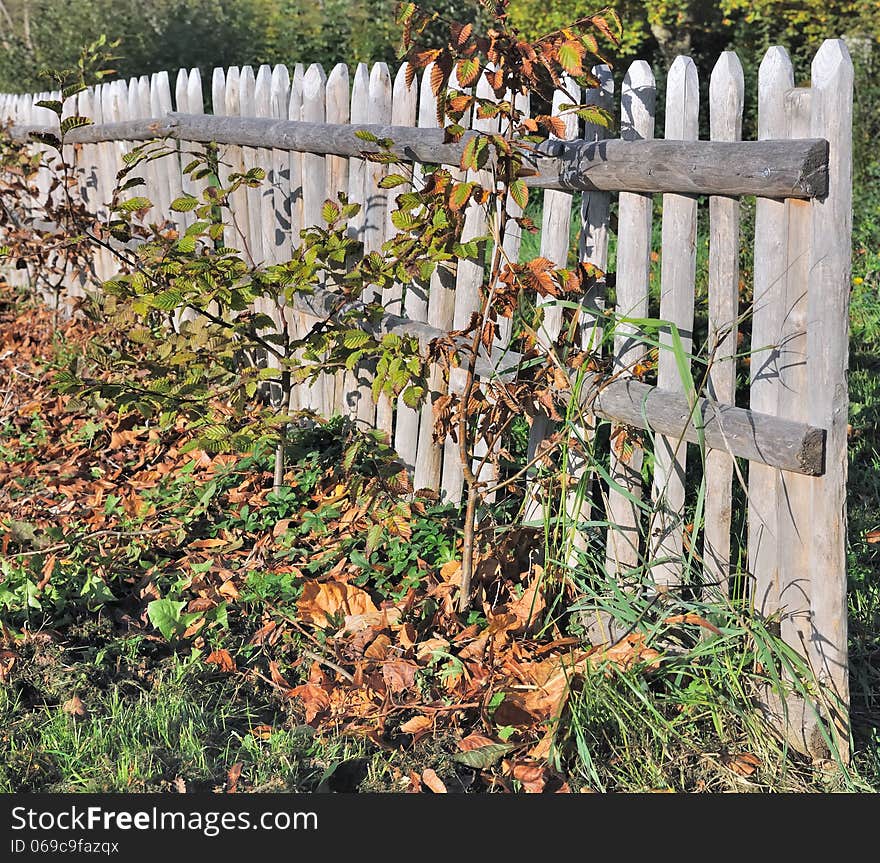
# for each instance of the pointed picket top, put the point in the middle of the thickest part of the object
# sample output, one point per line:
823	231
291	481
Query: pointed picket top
338	104
775	78
726	98
119	89
294	108
682	101
404	99
263	92
181	95
246	87
601	96
637	102
380	93
232	93
427	101
218	92
280	91
194	96
832	65
313	81
360	94
160	94
568	94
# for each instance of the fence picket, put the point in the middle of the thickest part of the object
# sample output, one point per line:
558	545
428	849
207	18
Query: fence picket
726	99
827	363
624	539
677	272
295	321
775	78
440	311
555	245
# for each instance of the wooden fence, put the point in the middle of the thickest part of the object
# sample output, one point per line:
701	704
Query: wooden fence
791	436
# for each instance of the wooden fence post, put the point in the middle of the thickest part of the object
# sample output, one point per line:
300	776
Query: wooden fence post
677	272
635	211
726	99
555	245
827	365
775	79
440	311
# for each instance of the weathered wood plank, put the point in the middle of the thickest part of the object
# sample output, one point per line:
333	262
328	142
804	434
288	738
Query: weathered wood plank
316	394
440	313
726	99
827	364
637	107
771	168
555	245
775	78
677	272
281	245
468	296
251	157
338	109
593	250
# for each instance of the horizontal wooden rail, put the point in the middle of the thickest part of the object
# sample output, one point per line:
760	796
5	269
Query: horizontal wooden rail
783	444
794	168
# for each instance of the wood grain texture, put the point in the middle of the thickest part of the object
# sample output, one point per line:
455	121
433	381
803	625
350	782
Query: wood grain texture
726	99
624	549
677	272
775	78
440	311
773	169
827	364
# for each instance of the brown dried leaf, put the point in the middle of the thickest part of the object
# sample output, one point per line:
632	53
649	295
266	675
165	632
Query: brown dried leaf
379	648
315	699
417	726
433	781
474	741
232	777
75	707
320	601
399	675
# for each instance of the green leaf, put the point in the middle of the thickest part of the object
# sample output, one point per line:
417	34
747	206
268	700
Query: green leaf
374	535
167	300
485	756
392	181
520	193
71	123
52	104
184	204
165	615
46	138
330	212
364	135
72	90
469	155
569	58
403	220
132	205
460	195
353	339
186	244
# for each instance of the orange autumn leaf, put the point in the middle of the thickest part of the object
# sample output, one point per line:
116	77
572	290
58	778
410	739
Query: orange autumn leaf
694	619
532	776
232	778
474	741
319	602
379	647
315	699
222	659
417	726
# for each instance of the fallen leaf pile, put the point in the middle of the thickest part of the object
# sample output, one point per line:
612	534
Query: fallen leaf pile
345	657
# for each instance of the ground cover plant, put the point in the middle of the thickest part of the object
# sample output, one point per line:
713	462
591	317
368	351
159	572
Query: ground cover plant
181	613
